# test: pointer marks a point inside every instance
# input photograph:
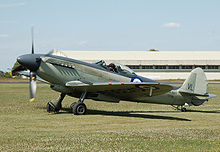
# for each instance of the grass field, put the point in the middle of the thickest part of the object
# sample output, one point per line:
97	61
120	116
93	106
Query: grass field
125	126
13	80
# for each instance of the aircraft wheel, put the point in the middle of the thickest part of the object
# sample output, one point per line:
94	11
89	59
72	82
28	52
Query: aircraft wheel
78	108
51	107
183	109
72	105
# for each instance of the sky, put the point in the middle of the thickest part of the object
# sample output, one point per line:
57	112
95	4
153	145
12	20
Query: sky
129	25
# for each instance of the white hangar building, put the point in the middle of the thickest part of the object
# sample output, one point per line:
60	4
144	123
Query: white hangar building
157	65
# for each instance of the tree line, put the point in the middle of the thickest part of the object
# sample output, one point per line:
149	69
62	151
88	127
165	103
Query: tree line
5	74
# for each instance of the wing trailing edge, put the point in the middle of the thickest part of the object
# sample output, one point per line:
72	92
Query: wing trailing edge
122	89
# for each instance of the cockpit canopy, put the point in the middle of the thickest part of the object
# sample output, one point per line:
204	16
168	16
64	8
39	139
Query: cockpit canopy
117	68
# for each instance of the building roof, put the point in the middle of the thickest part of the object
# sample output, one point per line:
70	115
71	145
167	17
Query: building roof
146	57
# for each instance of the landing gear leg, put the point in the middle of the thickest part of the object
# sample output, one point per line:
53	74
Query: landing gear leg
176	107
56	104
79	108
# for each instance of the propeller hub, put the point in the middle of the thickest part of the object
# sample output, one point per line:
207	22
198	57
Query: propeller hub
30	61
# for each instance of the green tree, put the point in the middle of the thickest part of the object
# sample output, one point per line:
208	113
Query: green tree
153	50
1	74
7	75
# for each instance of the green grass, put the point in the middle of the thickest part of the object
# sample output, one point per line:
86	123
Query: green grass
126	126
13	80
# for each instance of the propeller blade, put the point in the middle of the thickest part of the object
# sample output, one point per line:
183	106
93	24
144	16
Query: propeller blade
17	68
32	37
33	85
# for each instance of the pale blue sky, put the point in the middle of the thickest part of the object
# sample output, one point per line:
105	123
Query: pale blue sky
166	25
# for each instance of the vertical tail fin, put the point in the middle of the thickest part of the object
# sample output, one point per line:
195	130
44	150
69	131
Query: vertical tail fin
196	83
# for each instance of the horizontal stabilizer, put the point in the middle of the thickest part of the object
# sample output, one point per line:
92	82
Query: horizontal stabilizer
211	96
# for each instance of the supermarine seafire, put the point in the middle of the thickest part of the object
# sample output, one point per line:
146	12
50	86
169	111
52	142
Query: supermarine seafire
110	83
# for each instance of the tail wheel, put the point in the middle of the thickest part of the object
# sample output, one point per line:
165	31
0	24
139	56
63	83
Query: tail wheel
183	109
78	108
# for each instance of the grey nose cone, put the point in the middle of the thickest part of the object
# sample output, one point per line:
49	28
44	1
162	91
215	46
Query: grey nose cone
30	61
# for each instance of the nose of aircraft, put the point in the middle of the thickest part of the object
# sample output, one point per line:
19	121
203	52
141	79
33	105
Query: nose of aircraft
30	61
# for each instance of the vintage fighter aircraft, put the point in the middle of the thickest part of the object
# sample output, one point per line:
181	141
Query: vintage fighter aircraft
110	83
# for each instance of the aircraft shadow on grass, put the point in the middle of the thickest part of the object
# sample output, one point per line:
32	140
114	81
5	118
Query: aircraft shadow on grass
136	114
203	111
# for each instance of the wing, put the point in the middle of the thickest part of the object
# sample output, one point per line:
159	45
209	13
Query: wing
122	90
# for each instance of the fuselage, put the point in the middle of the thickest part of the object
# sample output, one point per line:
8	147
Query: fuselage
60	70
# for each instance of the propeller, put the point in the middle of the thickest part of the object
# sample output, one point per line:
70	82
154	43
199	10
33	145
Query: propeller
33	82
32	38
17	68
33	86
31	62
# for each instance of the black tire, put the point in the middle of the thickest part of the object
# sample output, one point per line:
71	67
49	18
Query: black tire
72	105
79	108
49	107
183	109
52	108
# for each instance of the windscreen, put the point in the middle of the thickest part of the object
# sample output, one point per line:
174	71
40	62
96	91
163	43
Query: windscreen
123	69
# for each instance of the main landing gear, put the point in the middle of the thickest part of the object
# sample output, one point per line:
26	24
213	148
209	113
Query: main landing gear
79	108
56	104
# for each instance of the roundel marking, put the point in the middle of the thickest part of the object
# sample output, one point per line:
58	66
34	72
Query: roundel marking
136	79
